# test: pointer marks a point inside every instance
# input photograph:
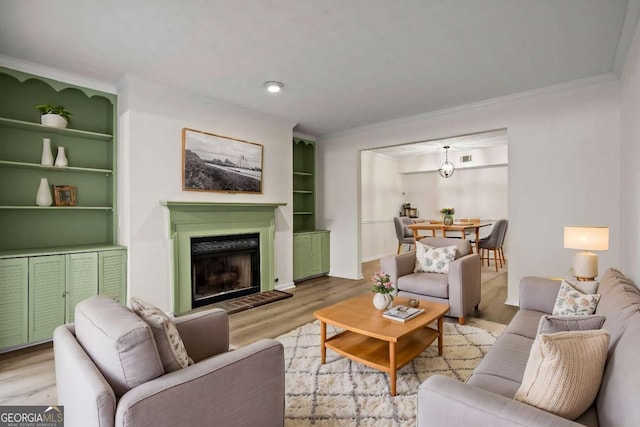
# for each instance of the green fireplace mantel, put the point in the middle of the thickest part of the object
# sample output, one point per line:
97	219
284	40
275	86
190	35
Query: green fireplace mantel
199	219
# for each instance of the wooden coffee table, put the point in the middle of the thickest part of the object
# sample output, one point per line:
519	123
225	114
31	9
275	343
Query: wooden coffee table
375	341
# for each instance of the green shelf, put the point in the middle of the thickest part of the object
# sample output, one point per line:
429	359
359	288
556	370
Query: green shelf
21	124
303	191
53	168
303	213
96	208
91	147
303	173
27	252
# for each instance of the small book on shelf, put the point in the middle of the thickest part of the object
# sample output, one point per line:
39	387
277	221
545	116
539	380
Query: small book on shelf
402	313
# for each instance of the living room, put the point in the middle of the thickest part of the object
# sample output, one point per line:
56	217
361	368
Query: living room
573	140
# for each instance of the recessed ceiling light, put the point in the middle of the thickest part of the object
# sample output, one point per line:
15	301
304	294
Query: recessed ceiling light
273	86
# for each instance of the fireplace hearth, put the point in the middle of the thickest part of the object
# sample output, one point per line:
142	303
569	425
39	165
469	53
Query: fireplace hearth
224	267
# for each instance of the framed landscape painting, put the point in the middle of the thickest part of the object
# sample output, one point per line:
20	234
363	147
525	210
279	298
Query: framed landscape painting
218	163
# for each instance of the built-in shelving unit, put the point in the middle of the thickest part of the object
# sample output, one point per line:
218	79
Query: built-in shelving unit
310	246
90	146
54	256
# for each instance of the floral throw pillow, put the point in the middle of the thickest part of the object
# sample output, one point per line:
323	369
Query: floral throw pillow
572	302
433	260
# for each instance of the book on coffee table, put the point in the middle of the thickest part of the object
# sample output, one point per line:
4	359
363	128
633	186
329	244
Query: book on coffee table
402	313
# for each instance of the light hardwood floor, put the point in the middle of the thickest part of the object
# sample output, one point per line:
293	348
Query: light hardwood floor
27	376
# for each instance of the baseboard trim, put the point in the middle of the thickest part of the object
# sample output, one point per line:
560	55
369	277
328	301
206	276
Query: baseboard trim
285	286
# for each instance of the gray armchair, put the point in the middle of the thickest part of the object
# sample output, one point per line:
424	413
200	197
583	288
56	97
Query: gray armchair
460	288
403	234
109	373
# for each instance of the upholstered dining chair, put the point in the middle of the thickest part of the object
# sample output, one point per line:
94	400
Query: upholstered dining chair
403	234
494	242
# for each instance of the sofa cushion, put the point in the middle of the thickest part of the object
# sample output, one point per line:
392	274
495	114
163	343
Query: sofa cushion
506	361
171	349
617	402
525	323
619	300
552	324
564	372
433	260
120	343
572	302
432	284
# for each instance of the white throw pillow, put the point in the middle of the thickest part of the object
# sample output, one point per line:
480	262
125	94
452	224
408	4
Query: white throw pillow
572	302
564	372
171	349
433	260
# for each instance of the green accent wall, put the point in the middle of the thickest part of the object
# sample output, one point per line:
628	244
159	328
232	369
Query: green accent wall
199	219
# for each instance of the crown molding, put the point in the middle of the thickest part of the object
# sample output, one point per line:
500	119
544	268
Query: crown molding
556	88
52	73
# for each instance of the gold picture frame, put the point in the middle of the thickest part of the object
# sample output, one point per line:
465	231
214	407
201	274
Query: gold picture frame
64	195
217	163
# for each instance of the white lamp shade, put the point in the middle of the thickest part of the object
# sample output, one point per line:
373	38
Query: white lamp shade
587	238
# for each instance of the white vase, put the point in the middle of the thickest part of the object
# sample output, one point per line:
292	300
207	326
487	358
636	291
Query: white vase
61	158
43	198
382	301
46	159
53	121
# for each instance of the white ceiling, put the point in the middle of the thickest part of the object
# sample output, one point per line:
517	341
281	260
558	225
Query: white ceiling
344	63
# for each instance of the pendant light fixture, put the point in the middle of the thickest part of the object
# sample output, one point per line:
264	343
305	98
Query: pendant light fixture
447	168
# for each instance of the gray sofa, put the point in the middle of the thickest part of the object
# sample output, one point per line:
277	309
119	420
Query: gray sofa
109	373
460	288
487	396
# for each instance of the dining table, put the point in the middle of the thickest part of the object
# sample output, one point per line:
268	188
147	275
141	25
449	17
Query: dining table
456	227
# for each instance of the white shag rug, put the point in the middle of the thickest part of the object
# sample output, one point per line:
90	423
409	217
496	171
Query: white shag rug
346	394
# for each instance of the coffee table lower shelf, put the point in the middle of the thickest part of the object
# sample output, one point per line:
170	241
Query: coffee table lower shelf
386	356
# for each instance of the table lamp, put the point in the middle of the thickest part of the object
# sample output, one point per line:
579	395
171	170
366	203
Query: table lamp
585	266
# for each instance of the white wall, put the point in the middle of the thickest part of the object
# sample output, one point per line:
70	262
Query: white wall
151	121
381	197
473	193
563	153
630	156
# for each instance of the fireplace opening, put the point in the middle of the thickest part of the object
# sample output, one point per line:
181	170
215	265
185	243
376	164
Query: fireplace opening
224	267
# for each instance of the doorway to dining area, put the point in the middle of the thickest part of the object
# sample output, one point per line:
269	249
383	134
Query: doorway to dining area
394	176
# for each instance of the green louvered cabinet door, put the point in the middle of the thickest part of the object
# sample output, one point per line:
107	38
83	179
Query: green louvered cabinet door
113	275
324	253
82	280
14	301
301	255
310	254
46	295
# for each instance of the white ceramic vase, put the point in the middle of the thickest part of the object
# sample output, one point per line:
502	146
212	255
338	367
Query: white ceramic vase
43	197
382	301
46	159
61	158
53	121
